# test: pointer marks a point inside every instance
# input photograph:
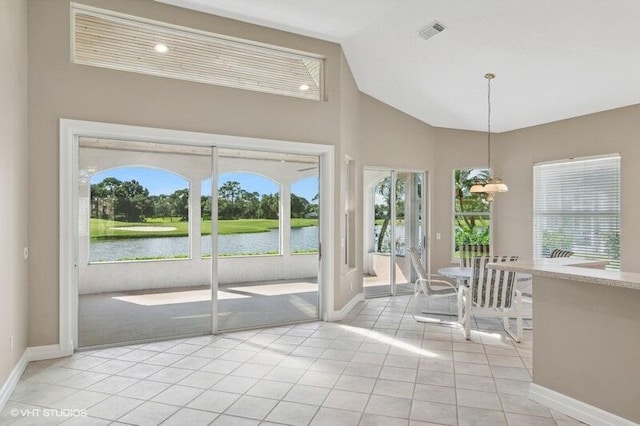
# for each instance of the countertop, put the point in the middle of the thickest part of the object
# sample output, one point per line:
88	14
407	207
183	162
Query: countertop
582	270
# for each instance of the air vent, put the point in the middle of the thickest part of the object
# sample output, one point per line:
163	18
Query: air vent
430	30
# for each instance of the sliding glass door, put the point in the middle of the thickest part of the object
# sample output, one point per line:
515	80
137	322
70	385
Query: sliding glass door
394	220
267	238
141	273
179	240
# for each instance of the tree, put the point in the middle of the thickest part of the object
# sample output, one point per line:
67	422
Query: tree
299	206
128	201
383	211
132	201
270	206
103	197
465	200
205	207
180	204
250	204
161	206
230	191
472	228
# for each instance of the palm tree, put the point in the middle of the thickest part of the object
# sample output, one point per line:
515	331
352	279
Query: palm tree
230	191
465	201
384	189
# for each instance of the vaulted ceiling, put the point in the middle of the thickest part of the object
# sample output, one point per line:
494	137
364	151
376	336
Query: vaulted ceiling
554	59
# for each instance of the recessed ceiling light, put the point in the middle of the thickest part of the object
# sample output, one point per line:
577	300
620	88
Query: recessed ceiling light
161	48
304	87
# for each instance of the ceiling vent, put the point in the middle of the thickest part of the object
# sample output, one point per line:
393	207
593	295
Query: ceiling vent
430	30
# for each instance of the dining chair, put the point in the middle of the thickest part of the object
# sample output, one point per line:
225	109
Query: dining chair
429	286
468	251
561	253
491	293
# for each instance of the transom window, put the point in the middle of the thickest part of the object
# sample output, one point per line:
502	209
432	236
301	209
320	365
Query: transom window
471	211
107	39
576	207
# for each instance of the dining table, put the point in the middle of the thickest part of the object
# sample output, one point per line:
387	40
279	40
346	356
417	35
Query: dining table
459	273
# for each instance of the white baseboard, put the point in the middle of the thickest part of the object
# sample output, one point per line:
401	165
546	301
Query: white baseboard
339	315
579	410
38	353
13	379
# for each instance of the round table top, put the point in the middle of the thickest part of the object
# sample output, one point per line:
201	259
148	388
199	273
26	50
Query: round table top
455	272
458	272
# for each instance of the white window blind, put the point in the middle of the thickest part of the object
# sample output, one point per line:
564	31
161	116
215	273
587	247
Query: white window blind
108	39
576	206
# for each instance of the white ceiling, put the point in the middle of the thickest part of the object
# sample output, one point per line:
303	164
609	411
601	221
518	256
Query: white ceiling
554	59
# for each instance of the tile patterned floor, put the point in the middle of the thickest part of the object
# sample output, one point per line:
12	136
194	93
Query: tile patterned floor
377	367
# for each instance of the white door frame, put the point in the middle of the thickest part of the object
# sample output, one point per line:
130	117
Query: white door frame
71	130
426	219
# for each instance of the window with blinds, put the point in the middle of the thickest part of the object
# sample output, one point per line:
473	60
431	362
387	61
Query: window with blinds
108	39
576	207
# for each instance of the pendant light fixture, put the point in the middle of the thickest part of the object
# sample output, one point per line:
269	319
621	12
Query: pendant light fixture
496	184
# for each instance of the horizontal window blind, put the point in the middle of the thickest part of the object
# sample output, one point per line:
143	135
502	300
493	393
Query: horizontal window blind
576	206
106	39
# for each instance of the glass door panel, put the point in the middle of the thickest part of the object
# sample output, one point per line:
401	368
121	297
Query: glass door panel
141	276
378	233
409	227
391	228
267	240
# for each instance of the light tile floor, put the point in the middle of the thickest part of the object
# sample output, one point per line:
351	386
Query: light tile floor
377	367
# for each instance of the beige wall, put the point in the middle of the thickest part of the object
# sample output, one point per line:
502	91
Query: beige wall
390	138
596	134
394	140
60	89
455	149
588	353
13	174
350	280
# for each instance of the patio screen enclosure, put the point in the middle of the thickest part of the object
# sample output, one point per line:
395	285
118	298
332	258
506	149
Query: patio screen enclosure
179	240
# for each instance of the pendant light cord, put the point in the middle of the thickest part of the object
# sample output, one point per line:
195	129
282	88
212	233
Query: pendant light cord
489	122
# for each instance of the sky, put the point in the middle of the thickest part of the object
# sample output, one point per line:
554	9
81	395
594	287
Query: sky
163	182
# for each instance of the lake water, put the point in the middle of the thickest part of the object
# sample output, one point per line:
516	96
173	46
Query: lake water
236	244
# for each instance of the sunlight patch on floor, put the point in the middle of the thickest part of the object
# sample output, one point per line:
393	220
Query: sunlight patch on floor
382	338
176	297
276	289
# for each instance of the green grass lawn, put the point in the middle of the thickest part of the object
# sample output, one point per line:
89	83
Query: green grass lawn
103	228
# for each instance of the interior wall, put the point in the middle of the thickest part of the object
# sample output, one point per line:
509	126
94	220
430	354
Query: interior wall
60	89
13	173
350	279
390	139
613	131
455	149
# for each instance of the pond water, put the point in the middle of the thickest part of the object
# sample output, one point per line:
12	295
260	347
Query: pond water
236	244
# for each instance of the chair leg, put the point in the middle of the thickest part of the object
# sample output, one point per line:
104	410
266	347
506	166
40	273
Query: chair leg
519	317
460	303
519	326
415	307
467	315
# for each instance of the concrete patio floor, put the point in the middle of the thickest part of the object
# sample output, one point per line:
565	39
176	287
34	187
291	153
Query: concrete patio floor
135	316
